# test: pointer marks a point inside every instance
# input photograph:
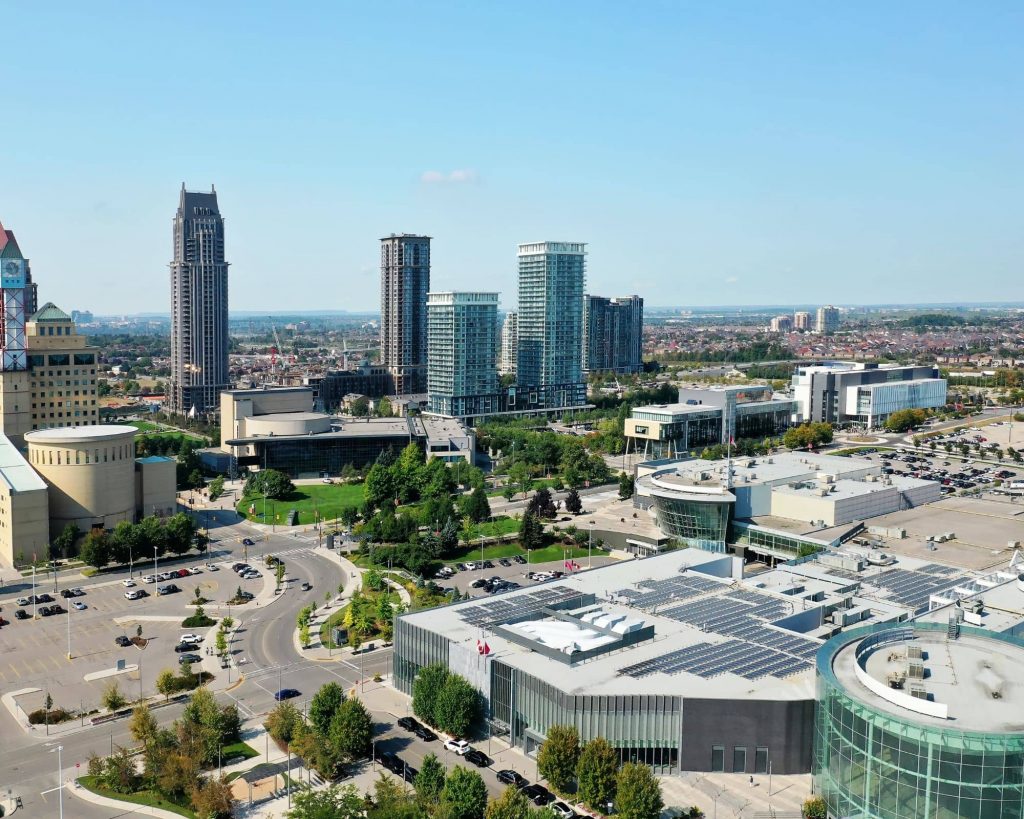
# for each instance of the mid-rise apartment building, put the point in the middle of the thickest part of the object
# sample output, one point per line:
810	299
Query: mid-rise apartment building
509	344
782	324
613	334
827	320
801	320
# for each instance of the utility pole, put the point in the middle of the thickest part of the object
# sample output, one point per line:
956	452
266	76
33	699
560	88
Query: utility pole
69	632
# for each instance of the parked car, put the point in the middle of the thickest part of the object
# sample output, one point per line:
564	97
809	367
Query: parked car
562	810
424	733
149	578
43	598
66	593
24	601
287	694
183	646
189	658
504	561
170	588
127	583
78	591
211	567
134	594
79	605
519	559
458	746
408	723
478	758
305	587
191	638
195	570
122	641
21	614
390	761
164	576
409	773
538	794
182	573
247	541
510	777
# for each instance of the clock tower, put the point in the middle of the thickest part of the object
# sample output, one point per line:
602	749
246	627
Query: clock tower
16	295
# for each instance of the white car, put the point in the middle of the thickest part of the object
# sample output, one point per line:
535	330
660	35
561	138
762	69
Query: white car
210	567
195	570
24	601
459	746
127	583
134	594
149	579
190	638
79	605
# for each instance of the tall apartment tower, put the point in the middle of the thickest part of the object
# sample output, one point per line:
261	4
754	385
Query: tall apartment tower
549	364
404	284
827	320
801	320
199	306
509	343
462	373
613	334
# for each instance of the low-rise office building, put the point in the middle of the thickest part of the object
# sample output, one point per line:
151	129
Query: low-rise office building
276	428
705	417
24	508
746	501
863	393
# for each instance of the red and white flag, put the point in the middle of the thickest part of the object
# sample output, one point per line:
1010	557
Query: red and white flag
487	649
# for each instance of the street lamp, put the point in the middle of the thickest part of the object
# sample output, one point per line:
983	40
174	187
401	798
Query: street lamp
590	546
60	775
69	632
156	571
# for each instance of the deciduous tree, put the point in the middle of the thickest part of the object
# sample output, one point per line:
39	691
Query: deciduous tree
595	773
559	756
637	793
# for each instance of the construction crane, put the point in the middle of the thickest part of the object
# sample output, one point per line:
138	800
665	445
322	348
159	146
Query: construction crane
275	350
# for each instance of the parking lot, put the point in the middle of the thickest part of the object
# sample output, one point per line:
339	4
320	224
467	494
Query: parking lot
513	573
35	650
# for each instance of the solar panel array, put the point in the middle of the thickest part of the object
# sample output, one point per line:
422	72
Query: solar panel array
503	610
913	588
668	590
753	650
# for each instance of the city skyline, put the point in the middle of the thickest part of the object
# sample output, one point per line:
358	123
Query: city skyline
869	163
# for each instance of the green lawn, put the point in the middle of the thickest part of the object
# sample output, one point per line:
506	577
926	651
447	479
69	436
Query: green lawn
544	555
327	499
238	749
327	625
494	528
138	798
144	426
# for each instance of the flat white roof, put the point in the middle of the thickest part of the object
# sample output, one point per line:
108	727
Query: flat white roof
68	435
15	471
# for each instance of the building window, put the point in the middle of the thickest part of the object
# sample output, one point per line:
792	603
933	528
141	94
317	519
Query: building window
761	760
717	758
739	760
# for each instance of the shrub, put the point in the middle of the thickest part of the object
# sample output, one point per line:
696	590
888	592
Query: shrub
55	715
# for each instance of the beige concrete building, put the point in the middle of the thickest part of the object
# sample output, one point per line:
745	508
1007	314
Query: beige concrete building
59	387
24	519
90	472
156	486
240	408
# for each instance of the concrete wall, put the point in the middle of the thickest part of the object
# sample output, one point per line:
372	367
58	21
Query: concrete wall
155	487
805	508
24	524
237	405
785	727
15	404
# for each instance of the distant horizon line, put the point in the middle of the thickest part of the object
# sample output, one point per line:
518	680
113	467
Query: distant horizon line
647	308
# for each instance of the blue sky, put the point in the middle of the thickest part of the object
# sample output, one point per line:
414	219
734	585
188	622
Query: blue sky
709	153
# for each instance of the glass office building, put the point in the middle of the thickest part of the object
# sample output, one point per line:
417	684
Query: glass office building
944	742
695	510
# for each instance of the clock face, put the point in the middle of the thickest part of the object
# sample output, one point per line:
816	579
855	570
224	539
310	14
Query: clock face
13	274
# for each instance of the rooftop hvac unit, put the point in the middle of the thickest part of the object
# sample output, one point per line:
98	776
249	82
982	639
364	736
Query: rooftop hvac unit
769	460
915	669
915	652
917	690
751	464
896	679
977	605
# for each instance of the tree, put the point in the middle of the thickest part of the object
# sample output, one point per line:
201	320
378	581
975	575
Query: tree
519	475
478	507
65	541
637	793
283	722
384	407
379	487
143	725
324	705
179	530
559	756
510	805
216	488
902	420
112	698
119	774
425	691
627	486
212	799
95	550
573	504
464	795
457	707
335	802
351	730
269	482
166	683
542	504
429	782
153	534
815	808
221	642
531	532
595	773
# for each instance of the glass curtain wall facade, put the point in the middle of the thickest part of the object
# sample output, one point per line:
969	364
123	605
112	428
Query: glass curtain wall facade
462	343
874	765
316	455
550	324
703	524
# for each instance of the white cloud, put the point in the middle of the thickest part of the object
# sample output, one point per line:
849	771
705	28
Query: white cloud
732	280
458	176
